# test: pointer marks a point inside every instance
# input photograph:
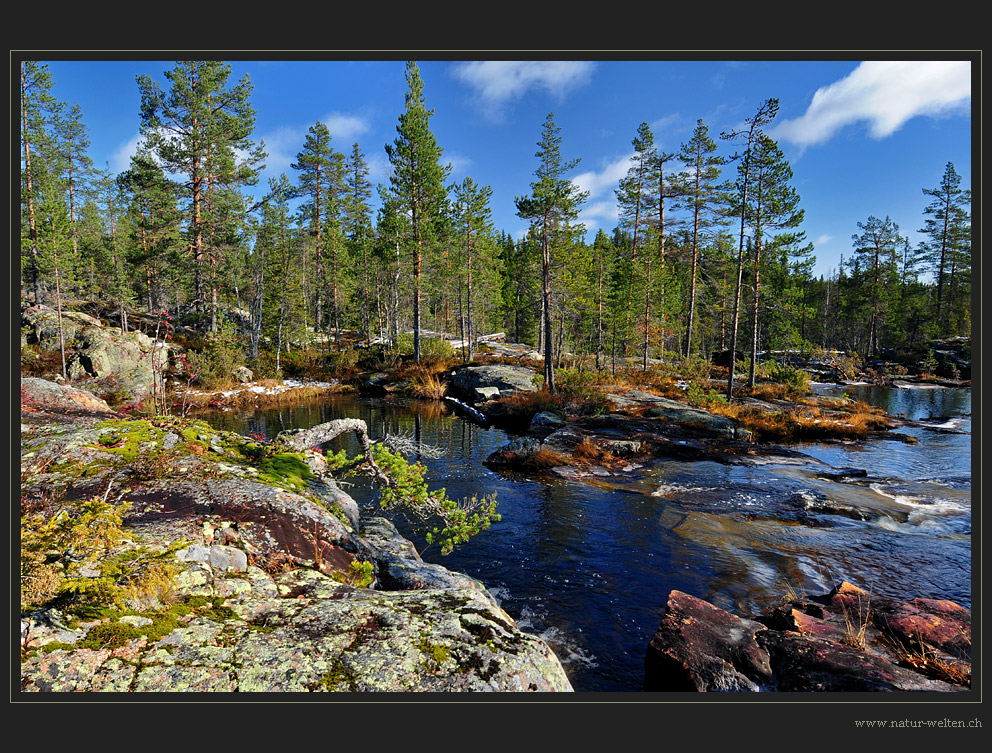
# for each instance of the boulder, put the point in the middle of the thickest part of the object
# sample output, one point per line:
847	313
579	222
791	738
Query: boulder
42	395
545	422
243	374
114	365
671	410
699	647
507	379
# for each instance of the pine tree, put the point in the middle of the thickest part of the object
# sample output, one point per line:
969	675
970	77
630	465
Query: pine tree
877	245
418	181
766	114
947	228
201	129
774	211
698	191
553	204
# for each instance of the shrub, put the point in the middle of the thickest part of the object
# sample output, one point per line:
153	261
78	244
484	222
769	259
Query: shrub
343	363
217	358
430	347
796	380
308	362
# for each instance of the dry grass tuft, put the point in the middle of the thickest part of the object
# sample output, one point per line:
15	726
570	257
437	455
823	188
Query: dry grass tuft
924	658
426	382
856	625
589	451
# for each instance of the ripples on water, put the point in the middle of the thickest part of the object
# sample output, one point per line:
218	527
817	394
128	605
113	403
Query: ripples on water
588	567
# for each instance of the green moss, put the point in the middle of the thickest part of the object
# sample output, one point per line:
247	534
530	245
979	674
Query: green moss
435	654
57	646
336	676
109	635
127	438
286	469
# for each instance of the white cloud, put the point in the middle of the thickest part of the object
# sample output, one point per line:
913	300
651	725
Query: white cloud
885	94
606	179
598	214
459	163
120	160
345	129
496	83
823	240
283	144
379	168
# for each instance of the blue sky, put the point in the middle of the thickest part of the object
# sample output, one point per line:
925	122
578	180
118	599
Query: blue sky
863	137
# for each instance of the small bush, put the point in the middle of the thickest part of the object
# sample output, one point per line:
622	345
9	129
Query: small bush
430	347
796	380
343	363
213	364
302	363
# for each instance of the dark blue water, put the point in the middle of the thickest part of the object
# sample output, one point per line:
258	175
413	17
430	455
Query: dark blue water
589	566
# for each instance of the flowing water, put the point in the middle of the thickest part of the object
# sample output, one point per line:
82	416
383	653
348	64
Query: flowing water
589	565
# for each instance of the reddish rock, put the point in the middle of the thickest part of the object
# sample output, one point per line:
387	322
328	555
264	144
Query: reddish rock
699	647
846	640
42	395
802	663
941	624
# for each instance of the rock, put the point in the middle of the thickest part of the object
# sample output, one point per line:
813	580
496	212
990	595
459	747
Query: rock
622	447
243	374
400	566
514	454
806	664
271	600
699	647
545	422
113	364
846	640
507	379
42	395
226	559
486	393
671	410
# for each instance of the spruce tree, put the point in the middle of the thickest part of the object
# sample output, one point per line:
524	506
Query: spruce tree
37	107
948	231
874	263
357	215
473	219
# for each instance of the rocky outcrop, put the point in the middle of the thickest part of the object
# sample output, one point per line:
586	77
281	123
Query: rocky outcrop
479	383
847	640
266	581
614	441
42	396
672	411
107	362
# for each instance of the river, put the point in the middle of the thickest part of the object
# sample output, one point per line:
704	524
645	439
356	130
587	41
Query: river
589	565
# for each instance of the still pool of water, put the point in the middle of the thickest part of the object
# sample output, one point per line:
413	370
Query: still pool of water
588	566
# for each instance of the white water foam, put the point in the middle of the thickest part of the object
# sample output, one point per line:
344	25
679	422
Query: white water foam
567	651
